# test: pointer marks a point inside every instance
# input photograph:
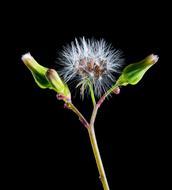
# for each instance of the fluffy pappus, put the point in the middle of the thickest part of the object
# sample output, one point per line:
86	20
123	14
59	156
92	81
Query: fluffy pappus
90	62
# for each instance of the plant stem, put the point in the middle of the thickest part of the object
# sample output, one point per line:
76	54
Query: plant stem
94	114
110	90
98	158
96	107
92	94
93	141
94	145
78	113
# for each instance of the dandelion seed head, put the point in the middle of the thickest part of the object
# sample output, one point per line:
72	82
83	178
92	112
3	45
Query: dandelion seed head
90	61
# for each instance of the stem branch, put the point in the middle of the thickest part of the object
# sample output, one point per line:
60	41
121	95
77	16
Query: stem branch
78	113
91	132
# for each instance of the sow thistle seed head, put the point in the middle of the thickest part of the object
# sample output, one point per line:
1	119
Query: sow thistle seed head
90	62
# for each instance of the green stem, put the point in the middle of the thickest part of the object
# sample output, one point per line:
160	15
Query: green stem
93	141
93	116
92	94
96	107
91	131
110	90
98	158
78	113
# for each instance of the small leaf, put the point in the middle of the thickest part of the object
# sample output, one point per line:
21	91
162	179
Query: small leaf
133	73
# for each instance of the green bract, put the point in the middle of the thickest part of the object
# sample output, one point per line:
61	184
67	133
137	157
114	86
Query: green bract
133	73
46	78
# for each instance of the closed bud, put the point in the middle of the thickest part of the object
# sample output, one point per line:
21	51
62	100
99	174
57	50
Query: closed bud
46	78
37	70
133	73
58	85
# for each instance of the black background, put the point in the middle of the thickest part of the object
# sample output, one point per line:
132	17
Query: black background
45	146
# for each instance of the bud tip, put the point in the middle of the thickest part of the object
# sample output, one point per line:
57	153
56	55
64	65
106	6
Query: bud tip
153	58
26	56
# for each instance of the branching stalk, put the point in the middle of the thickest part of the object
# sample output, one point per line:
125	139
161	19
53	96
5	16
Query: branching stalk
93	140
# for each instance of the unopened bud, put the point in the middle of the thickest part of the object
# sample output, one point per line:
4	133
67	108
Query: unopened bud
46	78
59	86
37	70
133	73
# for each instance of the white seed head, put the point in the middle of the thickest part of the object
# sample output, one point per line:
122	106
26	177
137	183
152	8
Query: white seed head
90	61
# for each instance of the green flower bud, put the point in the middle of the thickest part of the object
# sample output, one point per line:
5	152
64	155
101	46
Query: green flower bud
37	70
46	78
133	73
58	85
